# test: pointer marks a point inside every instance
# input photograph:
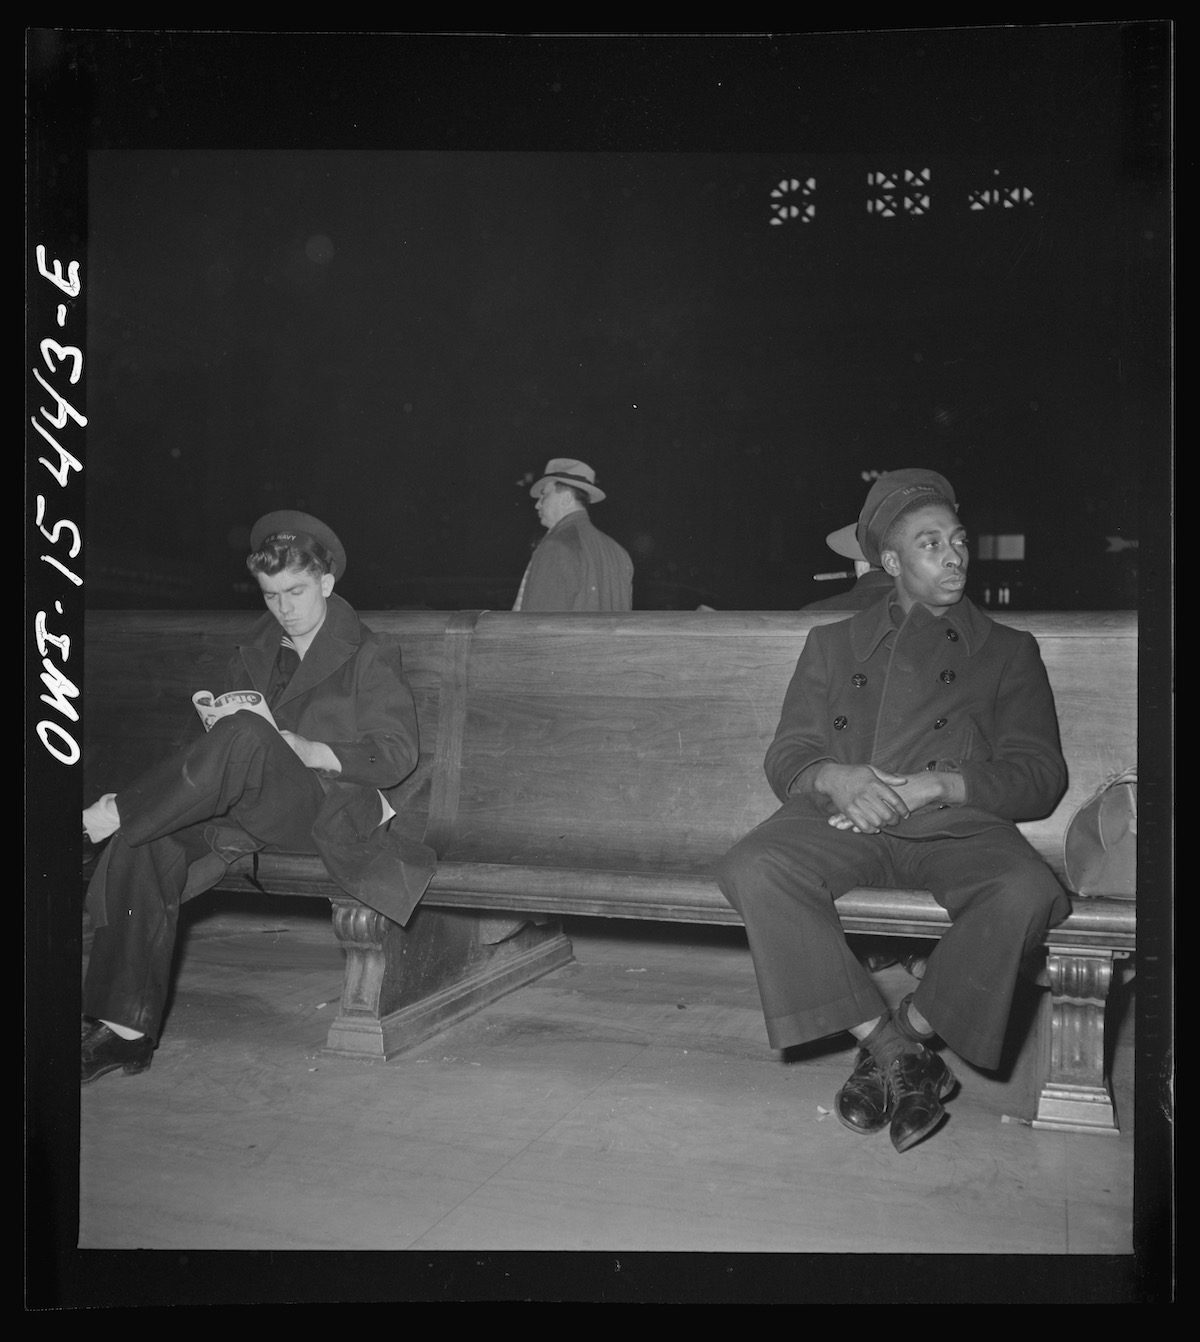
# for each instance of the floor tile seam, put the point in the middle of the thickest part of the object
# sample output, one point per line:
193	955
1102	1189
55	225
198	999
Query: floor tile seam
521	1151
1066	1205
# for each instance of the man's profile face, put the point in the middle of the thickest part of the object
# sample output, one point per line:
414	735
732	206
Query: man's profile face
553	504
296	598
928	558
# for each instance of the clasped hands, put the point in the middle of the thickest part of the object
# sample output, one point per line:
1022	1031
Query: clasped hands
868	799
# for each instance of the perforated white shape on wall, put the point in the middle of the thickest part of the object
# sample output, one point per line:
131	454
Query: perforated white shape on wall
890	194
999	196
792	199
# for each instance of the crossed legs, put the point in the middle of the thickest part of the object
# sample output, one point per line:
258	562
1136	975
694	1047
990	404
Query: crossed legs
241	775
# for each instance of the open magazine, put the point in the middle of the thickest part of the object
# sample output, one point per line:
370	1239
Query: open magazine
211	709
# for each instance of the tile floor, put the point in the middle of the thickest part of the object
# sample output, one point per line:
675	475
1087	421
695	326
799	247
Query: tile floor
626	1104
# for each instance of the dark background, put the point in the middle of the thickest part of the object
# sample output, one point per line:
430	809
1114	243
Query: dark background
385	279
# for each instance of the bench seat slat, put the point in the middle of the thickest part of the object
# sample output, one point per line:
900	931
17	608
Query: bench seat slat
669	897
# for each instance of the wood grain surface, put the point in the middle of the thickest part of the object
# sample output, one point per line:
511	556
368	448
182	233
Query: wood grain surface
631	741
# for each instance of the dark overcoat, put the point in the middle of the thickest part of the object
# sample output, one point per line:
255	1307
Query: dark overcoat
577	567
955	692
867	589
349	692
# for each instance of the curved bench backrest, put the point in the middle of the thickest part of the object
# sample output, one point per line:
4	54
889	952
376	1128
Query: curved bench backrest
626	742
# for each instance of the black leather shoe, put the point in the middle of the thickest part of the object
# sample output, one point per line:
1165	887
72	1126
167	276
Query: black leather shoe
102	1051
875	961
864	1103
918	1083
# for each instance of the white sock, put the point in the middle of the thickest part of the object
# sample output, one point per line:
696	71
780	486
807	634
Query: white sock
123	1031
101	819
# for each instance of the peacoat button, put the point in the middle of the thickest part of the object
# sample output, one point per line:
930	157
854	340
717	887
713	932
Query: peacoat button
839	723
952	635
946	677
940	723
858	680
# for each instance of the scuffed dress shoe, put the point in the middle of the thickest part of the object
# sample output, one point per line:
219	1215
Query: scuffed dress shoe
864	1103
102	1051
918	1081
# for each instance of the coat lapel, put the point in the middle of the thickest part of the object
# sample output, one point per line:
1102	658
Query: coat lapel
335	643
871	626
258	653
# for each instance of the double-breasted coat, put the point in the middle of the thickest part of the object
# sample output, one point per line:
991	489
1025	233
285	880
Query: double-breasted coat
956	692
240	788
349	692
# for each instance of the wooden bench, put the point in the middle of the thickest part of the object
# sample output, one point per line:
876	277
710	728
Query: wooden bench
598	765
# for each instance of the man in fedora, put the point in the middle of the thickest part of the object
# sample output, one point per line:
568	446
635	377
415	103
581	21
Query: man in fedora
575	566
345	733
870	581
912	738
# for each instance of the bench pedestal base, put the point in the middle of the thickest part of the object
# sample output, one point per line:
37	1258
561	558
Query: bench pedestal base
404	984
1075	1096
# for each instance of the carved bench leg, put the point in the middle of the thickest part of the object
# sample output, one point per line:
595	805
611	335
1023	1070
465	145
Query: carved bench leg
403	984
1075	1096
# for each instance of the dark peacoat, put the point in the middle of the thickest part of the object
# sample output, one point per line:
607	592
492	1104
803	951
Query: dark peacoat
956	692
349	691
